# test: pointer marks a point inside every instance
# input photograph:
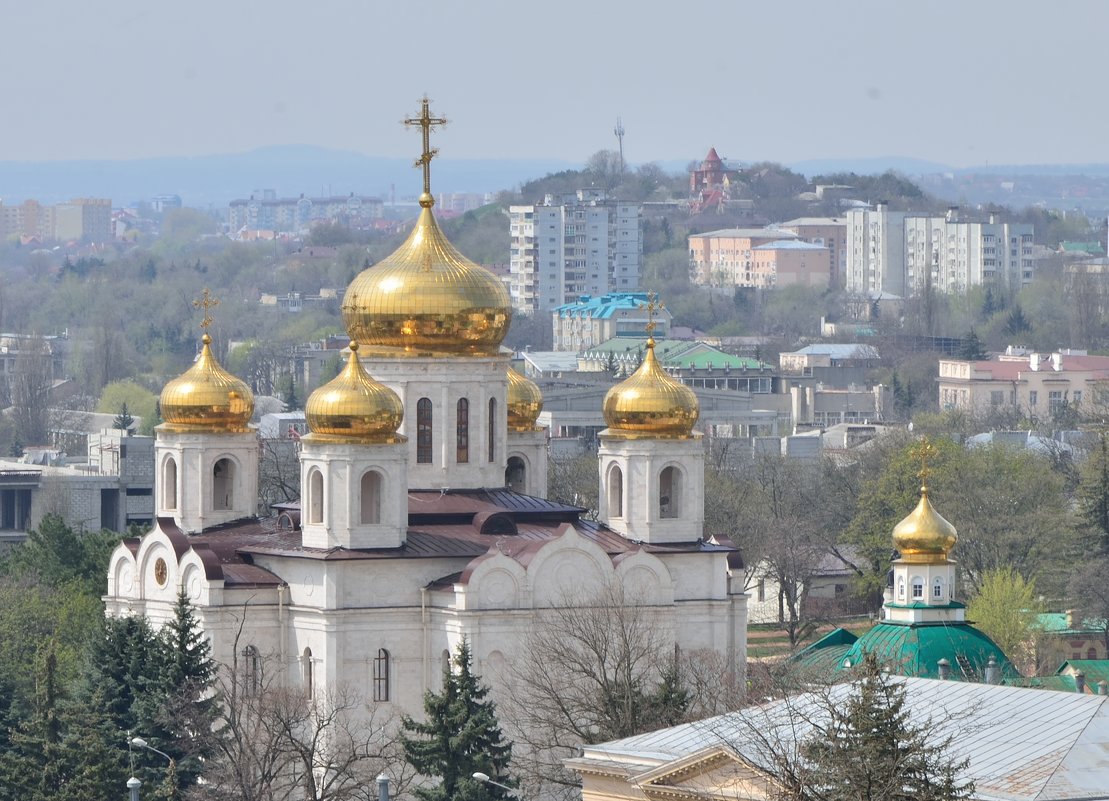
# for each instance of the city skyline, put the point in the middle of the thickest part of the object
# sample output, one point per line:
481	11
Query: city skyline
985	83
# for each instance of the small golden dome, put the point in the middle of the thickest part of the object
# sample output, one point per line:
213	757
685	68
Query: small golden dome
651	404
525	402
206	397
924	536
427	299
353	407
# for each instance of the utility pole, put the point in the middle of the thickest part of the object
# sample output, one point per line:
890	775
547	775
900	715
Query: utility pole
619	131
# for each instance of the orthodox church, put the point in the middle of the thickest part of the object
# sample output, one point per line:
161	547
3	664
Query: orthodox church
423	516
924	630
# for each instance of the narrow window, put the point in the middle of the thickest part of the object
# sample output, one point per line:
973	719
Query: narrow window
492	429
918	588
937	588
669	492
169	484
615	492
423	431
315	496
515	475
252	670
309	678
371	496
462	431
381	675
223	483
901	588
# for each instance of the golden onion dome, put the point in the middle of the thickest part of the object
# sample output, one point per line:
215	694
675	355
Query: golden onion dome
924	536
353	407
650	403
427	299
525	402
206	397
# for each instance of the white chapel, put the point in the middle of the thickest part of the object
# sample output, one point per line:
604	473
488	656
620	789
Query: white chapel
423	516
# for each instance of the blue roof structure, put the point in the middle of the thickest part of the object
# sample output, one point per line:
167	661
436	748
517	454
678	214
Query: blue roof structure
603	306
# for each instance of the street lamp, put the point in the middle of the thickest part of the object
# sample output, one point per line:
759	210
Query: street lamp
133	784
484	779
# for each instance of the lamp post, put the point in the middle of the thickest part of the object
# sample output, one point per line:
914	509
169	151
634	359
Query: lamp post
484	779
133	783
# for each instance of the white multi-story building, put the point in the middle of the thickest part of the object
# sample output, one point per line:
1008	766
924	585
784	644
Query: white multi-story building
570	246
899	253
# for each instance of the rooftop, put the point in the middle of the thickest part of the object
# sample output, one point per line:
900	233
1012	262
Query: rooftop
789	244
675	354
745	233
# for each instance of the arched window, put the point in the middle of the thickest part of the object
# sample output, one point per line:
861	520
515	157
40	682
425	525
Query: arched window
423	431
937	588
515	475
901	589
462	431
370	490
252	670
315	496
670	492
492	429
223	484
1091	653
381	675
918	588
309	678
169	483
615	491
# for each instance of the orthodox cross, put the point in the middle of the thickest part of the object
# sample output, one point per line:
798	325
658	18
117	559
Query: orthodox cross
207	302
924	450
653	308
427	122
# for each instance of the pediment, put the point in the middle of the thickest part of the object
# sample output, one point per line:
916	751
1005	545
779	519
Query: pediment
717	772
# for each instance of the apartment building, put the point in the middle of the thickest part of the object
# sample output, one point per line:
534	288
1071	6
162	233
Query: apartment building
87	219
726	257
789	262
593	320
1038	385
901	253
570	246
831	232
265	211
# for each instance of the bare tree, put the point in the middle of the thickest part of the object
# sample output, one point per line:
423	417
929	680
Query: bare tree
273	743
278	471
30	392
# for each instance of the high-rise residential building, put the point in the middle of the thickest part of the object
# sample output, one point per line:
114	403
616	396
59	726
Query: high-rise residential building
831	232
265	211
726	257
900	253
86	219
573	245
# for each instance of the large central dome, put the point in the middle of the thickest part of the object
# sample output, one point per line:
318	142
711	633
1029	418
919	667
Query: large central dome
427	299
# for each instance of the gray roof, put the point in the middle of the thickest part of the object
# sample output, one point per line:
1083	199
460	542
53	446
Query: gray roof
547	361
840	351
1022	744
745	233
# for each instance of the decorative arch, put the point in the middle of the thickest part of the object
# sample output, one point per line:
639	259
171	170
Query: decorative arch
223	484
381	675
937	589
614	488
370	490
516	473
169	483
670	486
424	434
918	588
315	495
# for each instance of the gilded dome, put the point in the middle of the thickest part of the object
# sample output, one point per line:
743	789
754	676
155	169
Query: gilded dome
427	299
650	403
206	397
525	402
924	536
353	407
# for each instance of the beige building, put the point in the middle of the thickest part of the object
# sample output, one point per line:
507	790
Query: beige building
831	232
84	218
1034	383
726	257
789	262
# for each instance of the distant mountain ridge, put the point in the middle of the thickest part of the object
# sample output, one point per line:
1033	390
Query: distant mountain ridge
291	170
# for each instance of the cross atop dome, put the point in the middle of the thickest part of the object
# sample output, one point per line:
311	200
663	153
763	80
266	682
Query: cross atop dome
427	122
207	301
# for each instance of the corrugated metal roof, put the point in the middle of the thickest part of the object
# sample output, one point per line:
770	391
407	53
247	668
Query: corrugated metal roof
1021	744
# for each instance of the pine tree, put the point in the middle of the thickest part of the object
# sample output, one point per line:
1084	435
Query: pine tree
460	737
871	751
970	348
123	421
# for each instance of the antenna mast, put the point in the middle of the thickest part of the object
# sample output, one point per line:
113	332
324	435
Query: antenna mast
619	131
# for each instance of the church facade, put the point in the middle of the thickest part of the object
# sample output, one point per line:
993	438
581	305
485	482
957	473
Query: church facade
423	517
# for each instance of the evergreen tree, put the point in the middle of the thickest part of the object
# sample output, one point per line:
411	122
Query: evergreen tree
871	751
460	737
123	421
970	349
31	767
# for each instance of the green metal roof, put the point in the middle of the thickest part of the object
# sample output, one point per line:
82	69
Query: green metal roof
1056	623
915	649
827	652
674	353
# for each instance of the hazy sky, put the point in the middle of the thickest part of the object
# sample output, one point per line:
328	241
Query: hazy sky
963	83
